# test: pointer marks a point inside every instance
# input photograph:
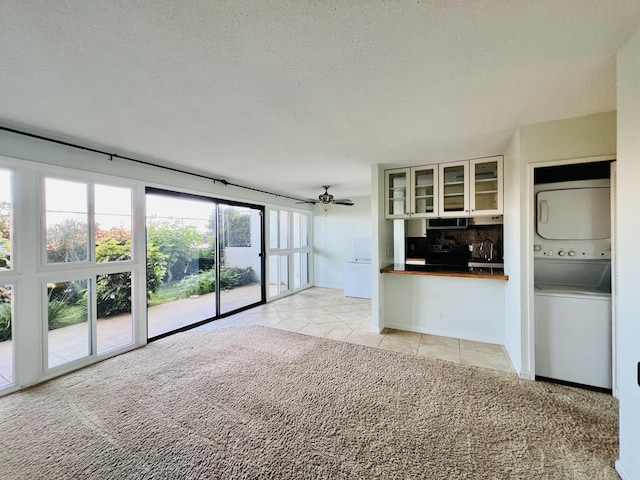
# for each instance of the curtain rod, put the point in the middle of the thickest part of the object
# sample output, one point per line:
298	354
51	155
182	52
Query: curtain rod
142	162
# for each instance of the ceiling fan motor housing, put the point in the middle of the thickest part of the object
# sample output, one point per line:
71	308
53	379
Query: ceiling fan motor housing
326	197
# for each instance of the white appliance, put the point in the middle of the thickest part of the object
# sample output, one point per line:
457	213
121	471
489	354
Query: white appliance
572	279
357	273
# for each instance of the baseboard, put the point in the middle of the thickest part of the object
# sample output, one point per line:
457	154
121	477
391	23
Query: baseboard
443	333
516	367
525	375
326	285
624	475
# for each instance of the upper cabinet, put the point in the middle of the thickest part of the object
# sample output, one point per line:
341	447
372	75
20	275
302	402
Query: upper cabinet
486	195
411	192
454	189
457	189
396	188
424	191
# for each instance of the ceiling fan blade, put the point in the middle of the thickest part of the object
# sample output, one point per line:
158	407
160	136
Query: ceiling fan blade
344	201
312	202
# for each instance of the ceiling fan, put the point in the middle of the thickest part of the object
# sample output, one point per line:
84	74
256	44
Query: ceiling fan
326	199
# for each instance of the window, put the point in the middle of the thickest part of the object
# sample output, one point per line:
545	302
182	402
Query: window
6	286
88	228
67	221
5	219
113	223
289	252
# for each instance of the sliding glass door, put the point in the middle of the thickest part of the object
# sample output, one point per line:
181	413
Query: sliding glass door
240	230
204	260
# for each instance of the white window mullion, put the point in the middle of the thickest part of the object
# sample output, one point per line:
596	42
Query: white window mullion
92	223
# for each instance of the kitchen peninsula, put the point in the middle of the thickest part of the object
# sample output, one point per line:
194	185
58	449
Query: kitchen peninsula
468	305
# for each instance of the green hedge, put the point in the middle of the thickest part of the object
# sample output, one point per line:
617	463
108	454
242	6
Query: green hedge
205	282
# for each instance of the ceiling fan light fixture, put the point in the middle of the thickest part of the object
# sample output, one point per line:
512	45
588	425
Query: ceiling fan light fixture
324	207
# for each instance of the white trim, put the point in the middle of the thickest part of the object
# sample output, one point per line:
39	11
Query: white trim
615	370
527	277
624	474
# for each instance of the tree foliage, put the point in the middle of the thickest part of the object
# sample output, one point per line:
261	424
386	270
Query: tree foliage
68	241
178	242
113	291
235	228
5	235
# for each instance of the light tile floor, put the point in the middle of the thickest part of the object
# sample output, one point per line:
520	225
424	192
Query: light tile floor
327	313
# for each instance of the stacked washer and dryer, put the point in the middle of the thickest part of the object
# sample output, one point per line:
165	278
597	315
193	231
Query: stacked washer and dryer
572	282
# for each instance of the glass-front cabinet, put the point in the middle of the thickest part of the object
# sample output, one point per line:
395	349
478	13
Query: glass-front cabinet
457	189
454	189
486	194
396	183
424	194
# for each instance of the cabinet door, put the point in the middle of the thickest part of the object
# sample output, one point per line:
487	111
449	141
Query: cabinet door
486	192
424	194
396	183
454	189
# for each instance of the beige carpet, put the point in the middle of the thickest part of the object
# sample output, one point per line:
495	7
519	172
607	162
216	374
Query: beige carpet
260	403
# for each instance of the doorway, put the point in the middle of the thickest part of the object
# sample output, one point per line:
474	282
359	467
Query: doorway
573	235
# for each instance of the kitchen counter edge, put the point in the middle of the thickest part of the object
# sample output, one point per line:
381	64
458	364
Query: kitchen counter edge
401	269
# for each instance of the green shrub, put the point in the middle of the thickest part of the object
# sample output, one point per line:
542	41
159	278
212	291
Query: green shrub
62	314
5	321
113	294
113	291
231	277
156	268
202	283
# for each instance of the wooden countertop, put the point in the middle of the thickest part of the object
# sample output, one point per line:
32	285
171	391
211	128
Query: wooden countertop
475	272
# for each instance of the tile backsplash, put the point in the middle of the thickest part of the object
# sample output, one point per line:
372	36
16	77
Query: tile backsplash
474	235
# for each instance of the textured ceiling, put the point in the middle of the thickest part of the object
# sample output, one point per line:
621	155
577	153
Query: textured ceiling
290	95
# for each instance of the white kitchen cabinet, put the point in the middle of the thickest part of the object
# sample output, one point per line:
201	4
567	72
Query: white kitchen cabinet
486	186
411	192
396	188
424	191
454	189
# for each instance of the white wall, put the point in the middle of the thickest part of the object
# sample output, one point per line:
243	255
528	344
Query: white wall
248	256
573	138
382	245
514	334
333	237
628	166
